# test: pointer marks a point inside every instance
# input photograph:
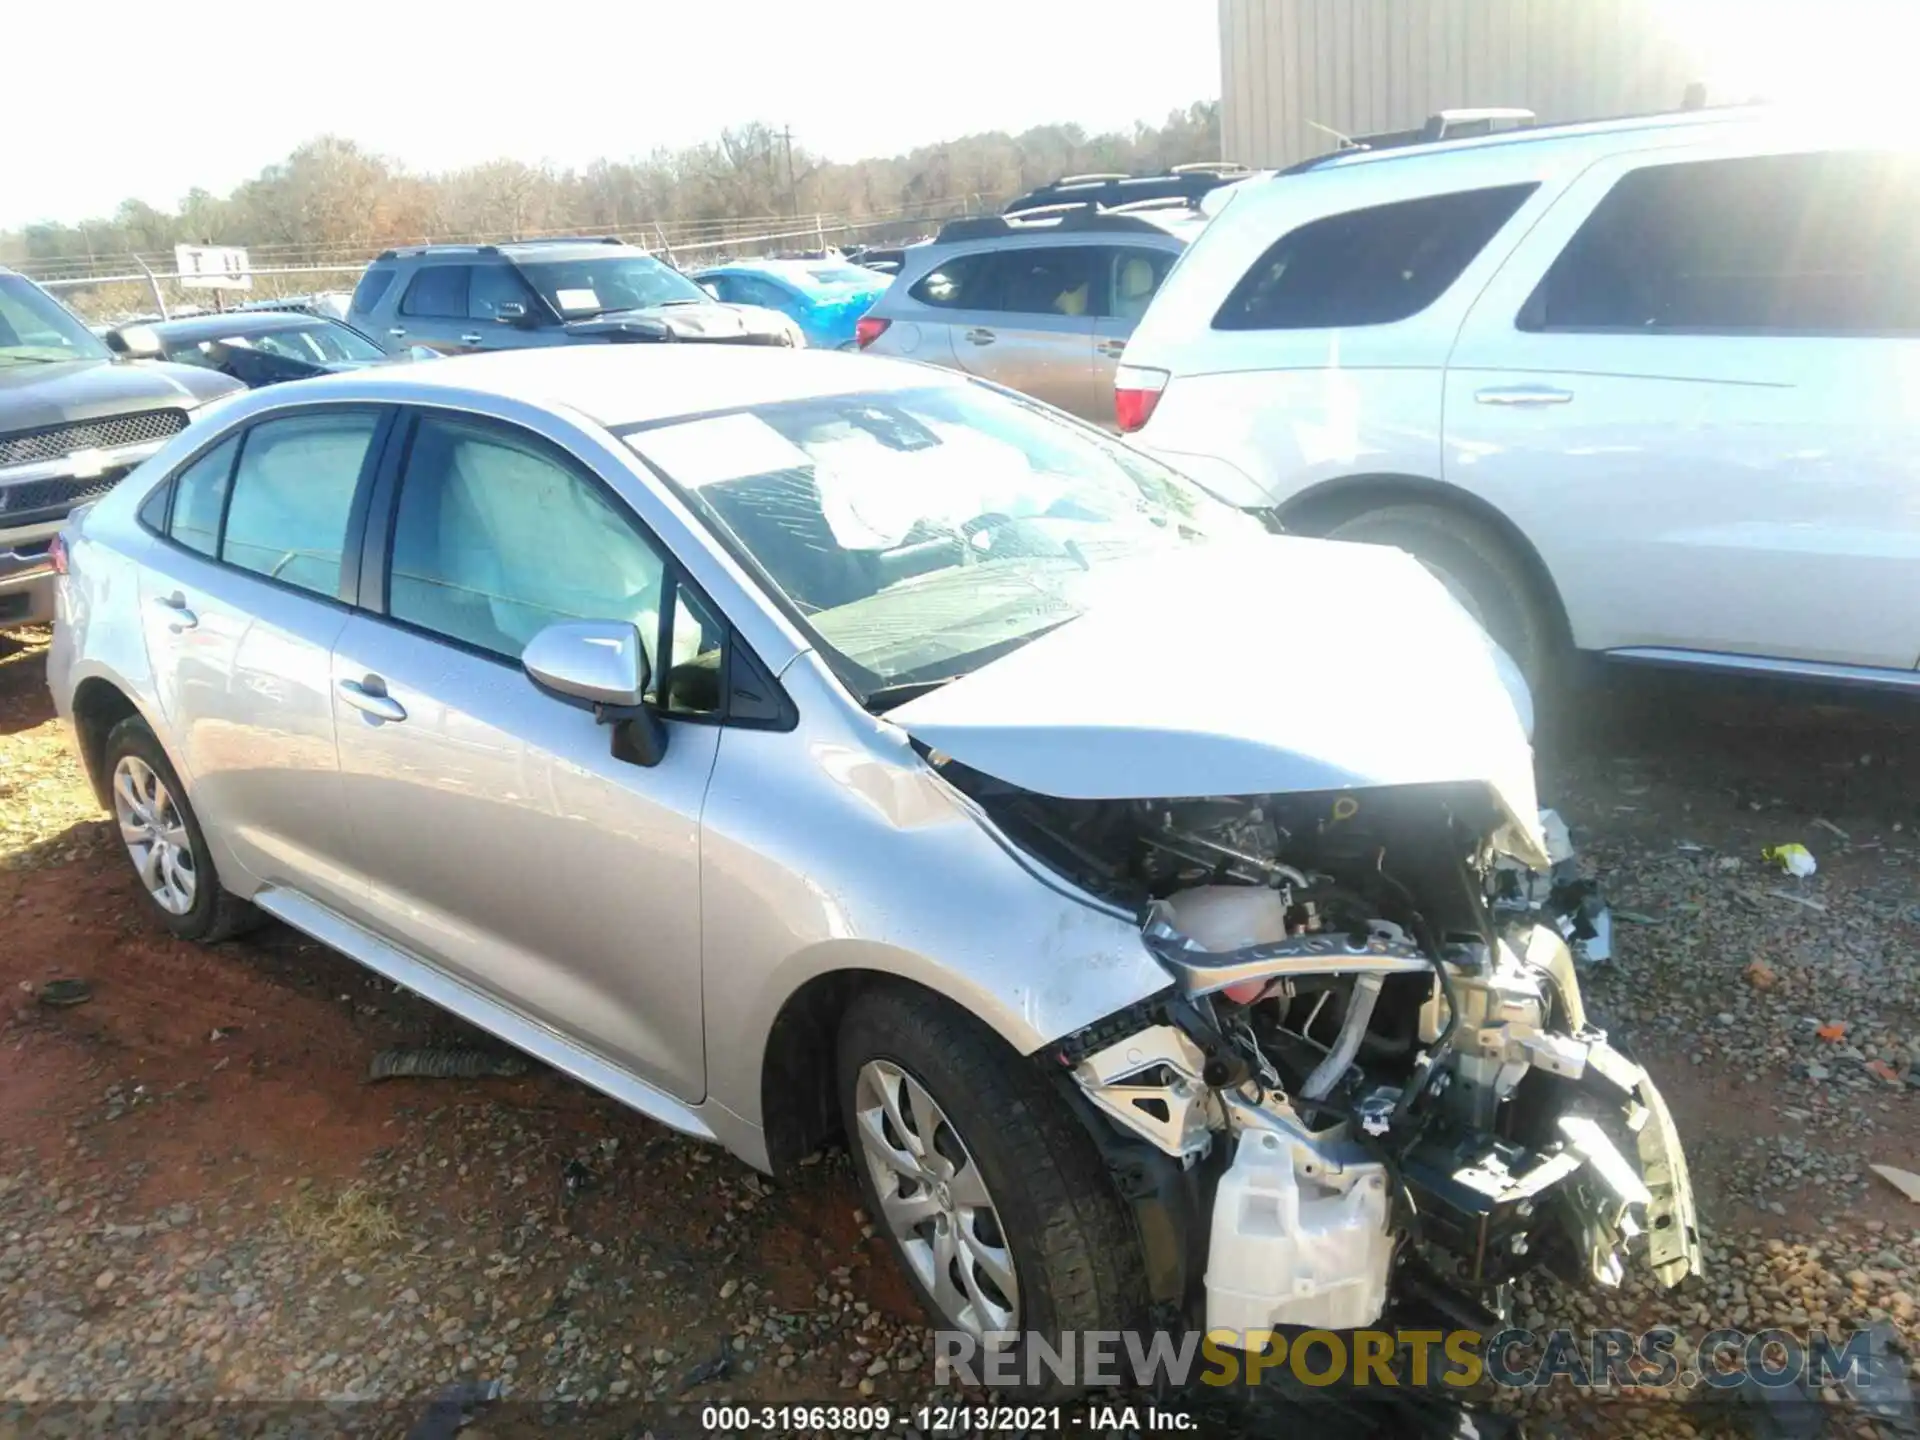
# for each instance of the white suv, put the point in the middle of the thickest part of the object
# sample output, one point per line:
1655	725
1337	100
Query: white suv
1648	388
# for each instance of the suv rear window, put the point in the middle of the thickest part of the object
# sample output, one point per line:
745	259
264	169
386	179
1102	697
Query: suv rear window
1368	267
372	286
1814	244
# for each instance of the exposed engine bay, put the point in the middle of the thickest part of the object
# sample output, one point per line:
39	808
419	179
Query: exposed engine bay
1373	1070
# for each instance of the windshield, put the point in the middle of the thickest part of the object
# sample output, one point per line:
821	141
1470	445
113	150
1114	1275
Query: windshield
37	329
316	344
578	288
921	533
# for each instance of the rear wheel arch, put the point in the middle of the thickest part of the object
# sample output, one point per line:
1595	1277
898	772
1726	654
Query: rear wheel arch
98	706
1332	503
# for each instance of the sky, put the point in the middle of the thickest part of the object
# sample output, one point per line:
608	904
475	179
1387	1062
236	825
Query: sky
436	86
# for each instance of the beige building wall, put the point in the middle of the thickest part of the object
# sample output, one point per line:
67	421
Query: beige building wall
1364	66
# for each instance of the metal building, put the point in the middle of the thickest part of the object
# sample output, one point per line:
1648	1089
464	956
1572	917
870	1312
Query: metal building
1360	67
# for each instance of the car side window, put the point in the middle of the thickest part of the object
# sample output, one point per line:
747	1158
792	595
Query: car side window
437	292
1056	280
1813	243
199	495
749	290
492	284
1368	267
373	284
495	538
293	495
960	282
1135	274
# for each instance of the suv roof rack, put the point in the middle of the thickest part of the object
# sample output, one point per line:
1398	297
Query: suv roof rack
560	240
430	248
1183	182
1048	219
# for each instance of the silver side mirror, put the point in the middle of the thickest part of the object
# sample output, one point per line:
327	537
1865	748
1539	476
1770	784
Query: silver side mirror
599	661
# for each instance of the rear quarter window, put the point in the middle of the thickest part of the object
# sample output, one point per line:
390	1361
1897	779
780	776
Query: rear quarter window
1368	267
373	285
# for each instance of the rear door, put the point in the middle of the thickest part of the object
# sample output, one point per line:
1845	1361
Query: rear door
1038	338
433	311
1692	385
241	604
501	838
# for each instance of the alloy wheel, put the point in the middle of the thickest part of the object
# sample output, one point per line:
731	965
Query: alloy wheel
935	1201
155	833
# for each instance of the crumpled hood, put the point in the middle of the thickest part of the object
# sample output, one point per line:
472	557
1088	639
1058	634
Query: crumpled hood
708	322
33	397
1263	666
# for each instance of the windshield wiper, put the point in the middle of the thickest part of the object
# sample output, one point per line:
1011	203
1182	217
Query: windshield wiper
37	359
685	300
887	696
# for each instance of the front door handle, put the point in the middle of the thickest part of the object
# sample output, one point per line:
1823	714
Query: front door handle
1522	395
473	338
397	333
979	337
183	618
370	696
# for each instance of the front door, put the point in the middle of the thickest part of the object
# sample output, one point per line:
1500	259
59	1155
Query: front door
1694	387
501	838
433	312
241	606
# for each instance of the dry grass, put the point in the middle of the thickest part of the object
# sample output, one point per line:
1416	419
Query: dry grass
48	814
350	1220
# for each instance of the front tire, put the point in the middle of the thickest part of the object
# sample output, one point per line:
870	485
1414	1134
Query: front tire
164	841
994	1196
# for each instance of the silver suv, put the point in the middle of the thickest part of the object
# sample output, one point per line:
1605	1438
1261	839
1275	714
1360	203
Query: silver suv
1042	303
459	299
778	743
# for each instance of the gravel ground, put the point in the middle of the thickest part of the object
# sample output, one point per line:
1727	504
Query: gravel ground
201	1197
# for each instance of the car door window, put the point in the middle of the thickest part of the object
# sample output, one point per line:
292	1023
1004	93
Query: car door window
491	285
199	495
1809	244
751	290
1368	267
496	537
1071	281
1134	275
438	292
293	494
367	294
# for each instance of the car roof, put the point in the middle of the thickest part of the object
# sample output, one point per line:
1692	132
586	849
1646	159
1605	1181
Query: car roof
778	269
240	322
630	384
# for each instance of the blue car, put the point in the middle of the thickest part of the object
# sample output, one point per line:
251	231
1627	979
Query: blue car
826	297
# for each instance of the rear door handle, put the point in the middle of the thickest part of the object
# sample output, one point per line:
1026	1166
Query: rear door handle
183	618
979	337
370	697
397	333
473	339
1112	349
1522	395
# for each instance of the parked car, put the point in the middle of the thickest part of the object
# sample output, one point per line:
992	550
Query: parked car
459	298
823	791
256	347
72	423
1044	306
823	297
1632	388
331	303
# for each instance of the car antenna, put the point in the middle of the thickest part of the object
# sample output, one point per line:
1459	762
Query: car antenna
1347	142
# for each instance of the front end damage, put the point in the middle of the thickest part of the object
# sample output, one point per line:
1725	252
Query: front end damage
1372	1084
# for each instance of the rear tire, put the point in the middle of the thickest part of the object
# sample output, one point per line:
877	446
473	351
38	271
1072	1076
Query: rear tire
1002	1135
164	841
1479	567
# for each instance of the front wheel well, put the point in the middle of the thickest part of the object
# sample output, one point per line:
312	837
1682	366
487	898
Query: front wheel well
98	706
1334	502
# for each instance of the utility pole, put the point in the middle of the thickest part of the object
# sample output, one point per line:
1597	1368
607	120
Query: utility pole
793	193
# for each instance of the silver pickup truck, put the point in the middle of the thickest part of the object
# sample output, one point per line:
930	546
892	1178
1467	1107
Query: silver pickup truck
73	420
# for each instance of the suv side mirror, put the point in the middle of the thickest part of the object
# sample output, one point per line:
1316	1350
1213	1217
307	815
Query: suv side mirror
511	312
135	342
603	663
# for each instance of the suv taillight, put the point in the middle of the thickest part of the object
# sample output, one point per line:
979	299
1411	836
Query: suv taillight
1136	390
869	328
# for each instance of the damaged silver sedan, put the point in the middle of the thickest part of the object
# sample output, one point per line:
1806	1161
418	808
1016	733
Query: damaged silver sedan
797	746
